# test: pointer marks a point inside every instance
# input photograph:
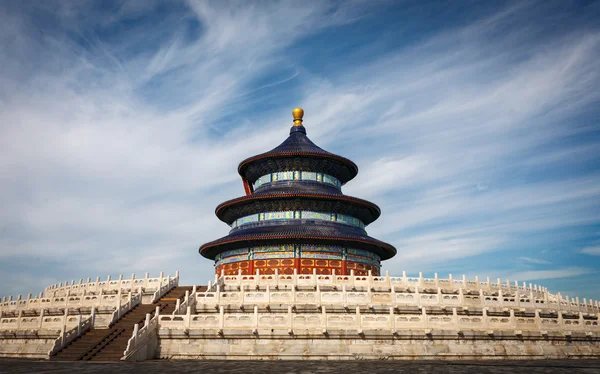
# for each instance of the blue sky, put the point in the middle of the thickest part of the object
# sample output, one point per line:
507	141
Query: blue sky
475	128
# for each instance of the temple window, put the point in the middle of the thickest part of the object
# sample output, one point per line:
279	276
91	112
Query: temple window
303	214
297	176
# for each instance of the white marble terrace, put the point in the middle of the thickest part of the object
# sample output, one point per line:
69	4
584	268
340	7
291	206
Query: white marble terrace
105	293
381	304
60	306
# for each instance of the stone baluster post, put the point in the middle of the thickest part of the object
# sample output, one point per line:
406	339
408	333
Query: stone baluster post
455	319
65	316
119	304
404	280
132	281
294	295
78	324
538	320
188	318
512	319
477	285
484	319
120	282
489	283
421	281
561	321
177	306
436	280
41	318
136	331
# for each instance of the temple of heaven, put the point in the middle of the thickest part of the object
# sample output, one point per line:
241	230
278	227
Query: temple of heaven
295	218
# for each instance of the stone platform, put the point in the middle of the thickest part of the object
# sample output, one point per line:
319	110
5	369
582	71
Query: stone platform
303	367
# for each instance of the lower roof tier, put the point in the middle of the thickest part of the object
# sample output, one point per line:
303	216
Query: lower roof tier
302	233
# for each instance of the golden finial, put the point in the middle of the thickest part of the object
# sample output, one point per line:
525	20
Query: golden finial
298	113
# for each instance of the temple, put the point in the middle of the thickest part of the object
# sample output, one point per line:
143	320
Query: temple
295	218
298	278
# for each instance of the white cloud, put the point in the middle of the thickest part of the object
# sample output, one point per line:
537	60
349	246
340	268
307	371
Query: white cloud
549	274
535	260
594	251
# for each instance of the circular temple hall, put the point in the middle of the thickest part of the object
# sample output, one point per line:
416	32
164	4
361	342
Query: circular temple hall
294	217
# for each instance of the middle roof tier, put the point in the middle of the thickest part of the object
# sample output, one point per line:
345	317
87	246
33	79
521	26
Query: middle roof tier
294	199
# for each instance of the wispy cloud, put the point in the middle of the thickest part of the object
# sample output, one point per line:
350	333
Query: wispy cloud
549	274
594	251
535	261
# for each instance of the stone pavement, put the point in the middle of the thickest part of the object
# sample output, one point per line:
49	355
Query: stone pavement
302	367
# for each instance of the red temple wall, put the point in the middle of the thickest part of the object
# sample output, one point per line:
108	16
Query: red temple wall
302	265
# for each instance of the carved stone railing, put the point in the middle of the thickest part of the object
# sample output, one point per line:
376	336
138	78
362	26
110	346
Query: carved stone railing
391	322
140	345
78	295
171	283
109	284
188	301
132	302
372	281
47	322
491	294
66	336
344	297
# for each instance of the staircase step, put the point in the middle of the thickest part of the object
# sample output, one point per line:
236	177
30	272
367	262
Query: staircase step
109	344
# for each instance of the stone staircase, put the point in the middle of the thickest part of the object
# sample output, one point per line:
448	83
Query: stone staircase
109	344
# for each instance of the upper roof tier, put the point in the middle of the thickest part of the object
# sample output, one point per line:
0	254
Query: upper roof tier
299	153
